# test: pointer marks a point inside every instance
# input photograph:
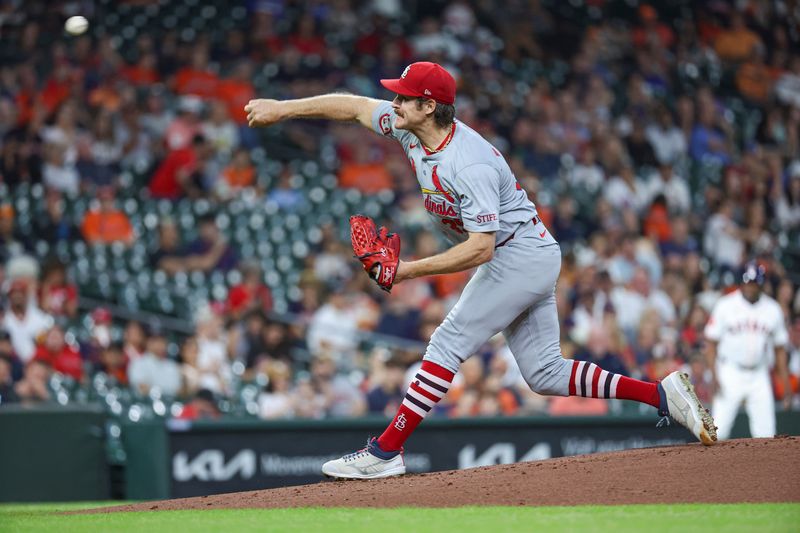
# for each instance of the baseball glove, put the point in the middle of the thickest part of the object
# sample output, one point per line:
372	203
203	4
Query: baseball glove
377	249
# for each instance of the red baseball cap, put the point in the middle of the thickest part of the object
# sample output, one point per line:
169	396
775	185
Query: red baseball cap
101	315
425	80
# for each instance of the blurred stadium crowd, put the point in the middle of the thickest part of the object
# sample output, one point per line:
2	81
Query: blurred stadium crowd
162	259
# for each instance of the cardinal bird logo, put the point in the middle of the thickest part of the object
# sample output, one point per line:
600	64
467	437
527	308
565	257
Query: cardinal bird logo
438	184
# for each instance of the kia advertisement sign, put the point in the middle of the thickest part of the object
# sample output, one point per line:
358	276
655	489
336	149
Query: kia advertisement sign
213	458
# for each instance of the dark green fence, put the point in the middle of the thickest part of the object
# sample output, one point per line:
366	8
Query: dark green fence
229	456
52	454
60	454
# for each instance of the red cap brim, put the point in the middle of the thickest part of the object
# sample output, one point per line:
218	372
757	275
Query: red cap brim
396	87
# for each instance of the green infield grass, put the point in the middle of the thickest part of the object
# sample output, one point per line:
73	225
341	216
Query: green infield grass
634	518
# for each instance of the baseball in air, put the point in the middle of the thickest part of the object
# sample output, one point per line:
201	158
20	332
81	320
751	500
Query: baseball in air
76	25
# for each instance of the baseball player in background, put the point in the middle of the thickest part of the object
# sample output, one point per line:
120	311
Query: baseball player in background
473	197
744	328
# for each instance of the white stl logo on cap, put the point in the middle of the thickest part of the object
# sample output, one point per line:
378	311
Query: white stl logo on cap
403	75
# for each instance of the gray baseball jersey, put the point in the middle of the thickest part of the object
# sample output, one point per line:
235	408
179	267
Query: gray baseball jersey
469	187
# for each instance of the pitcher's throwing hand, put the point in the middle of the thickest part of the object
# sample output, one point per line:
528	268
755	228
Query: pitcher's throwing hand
263	112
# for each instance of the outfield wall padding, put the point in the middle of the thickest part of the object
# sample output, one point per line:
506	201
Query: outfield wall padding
59	454
231	456
53	454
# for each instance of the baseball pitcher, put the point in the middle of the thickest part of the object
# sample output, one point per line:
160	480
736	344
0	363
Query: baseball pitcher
744	328
473	197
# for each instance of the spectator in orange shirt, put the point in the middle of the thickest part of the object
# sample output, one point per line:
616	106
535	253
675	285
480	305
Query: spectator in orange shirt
754	79
360	173
107	94
237	90
107	224
144	72
57	88
59	355
238	175
197	79
736	43
446	285
25	96
656	222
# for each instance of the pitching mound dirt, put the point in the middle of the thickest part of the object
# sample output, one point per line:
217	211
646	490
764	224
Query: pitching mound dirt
744	470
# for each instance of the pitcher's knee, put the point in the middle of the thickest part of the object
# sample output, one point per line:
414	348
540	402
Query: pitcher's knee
552	379
446	348
546	388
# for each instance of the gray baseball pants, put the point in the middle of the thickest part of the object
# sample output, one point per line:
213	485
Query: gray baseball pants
513	293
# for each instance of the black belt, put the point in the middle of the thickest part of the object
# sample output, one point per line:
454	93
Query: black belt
535	221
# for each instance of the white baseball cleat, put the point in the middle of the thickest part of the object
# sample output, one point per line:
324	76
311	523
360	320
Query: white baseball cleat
680	403
368	463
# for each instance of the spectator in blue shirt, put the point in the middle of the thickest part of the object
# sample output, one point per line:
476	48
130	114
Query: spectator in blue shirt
707	143
598	351
387	395
210	251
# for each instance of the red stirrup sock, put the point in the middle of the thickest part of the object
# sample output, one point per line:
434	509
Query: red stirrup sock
591	381
428	387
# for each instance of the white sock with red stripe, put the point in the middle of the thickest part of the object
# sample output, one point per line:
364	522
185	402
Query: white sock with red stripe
590	381
428	387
